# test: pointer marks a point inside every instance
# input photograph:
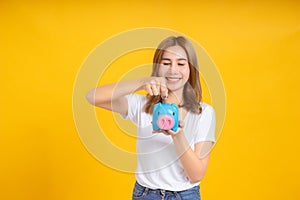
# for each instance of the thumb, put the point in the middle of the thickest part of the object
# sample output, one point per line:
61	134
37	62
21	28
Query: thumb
181	123
163	91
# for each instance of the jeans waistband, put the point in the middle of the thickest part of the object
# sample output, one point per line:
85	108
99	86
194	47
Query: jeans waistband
192	193
161	191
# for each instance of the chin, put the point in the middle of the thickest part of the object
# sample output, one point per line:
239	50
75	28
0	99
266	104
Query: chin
175	87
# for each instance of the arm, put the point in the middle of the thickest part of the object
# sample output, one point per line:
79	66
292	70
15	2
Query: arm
112	96
194	162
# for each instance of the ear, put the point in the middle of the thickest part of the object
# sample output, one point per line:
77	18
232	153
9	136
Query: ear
174	106
157	106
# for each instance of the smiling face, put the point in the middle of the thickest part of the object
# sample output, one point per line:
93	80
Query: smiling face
174	67
175	59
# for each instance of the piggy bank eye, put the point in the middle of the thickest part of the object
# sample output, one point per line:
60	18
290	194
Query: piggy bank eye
173	113
158	113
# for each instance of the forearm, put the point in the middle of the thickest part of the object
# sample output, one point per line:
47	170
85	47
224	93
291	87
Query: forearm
108	93
194	167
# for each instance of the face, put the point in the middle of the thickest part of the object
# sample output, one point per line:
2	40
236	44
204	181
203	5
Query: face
174	67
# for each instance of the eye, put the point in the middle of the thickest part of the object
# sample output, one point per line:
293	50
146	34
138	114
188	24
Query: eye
158	113
181	64
173	113
166	64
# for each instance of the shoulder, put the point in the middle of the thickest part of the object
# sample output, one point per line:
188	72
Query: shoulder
206	108
207	112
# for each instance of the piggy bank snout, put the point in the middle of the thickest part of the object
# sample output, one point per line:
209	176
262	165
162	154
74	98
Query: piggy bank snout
165	122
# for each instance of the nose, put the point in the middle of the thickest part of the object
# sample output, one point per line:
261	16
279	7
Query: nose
173	66
165	122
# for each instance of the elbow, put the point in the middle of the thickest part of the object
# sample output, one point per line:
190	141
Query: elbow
196	179
101	101
90	97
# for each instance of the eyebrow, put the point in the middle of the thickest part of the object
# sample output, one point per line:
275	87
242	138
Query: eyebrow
176	59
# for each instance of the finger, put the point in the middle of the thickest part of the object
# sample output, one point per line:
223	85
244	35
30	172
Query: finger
170	132
156	131
149	90
163	91
161	131
166	132
155	89
181	123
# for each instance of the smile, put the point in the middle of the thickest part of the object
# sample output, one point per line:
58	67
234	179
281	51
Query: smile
173	78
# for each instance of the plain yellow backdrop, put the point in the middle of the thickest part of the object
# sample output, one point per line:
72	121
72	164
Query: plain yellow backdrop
255	45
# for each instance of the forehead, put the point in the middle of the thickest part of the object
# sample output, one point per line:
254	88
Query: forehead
176	52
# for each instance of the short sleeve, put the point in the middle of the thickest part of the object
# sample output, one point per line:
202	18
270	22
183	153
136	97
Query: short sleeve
135	105
206	125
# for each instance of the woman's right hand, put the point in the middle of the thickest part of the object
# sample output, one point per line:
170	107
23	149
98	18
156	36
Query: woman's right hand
156	86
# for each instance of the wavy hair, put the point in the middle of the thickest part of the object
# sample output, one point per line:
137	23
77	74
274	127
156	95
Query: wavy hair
192	92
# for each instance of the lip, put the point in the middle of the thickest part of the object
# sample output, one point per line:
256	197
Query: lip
173	78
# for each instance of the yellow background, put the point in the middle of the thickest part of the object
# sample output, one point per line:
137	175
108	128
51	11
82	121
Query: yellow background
255	45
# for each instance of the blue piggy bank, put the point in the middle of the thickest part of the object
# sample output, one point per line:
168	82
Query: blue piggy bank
165	117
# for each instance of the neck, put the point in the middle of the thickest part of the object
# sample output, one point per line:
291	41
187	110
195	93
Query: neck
176	98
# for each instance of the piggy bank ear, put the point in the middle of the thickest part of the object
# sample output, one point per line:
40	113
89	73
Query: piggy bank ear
157	107
174	106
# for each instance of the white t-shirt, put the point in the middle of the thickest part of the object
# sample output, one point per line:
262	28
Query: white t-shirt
158	164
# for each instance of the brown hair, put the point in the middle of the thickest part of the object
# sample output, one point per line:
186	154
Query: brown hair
192	92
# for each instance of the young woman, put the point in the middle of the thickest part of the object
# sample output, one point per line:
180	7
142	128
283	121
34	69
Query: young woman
170	164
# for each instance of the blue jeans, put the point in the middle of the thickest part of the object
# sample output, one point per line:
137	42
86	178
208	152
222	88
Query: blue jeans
143	193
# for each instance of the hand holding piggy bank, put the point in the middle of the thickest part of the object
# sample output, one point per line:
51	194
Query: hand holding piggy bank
165	117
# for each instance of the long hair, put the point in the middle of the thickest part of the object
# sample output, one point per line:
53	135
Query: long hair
192	92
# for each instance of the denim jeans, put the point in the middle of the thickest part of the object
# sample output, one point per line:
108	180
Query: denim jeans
143	193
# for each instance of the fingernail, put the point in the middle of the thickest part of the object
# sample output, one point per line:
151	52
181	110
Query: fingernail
164	97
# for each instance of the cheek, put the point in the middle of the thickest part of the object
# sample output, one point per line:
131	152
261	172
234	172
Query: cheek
185	72
162	70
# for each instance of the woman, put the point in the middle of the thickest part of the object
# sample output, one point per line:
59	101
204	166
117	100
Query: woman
170	164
